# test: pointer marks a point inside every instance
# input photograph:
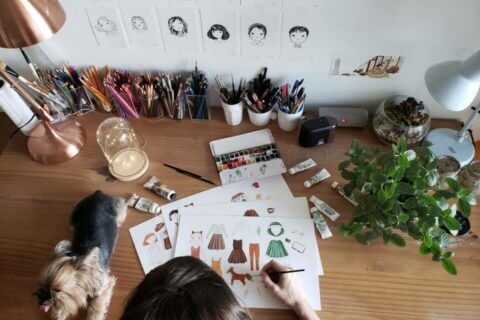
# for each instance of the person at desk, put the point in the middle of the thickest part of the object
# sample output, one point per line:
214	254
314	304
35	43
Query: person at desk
186	288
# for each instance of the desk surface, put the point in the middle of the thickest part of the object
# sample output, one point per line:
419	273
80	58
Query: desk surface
374	282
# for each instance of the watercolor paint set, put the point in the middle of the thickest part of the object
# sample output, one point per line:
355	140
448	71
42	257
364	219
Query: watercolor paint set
252	155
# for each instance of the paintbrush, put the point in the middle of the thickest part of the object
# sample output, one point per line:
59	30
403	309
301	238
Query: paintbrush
275	275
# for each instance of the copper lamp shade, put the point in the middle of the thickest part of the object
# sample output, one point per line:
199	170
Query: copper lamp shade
24	23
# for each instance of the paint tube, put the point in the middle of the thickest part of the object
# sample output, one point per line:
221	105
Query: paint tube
337	187
160	188
320	223
325	208
302	166
320	176
143	204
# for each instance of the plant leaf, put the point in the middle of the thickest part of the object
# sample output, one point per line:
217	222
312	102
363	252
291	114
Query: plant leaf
453	184
443	194
448	265
464	207
343	230
343	165
451	223
361	238
397	240
405	188
403	217
423	250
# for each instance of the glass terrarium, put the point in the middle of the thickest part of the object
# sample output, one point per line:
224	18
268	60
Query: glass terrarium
401	116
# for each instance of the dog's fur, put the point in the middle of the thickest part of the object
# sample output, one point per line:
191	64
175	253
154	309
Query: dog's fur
78	276
242	277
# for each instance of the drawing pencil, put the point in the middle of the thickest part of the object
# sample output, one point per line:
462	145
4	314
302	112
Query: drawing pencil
190	174
275	275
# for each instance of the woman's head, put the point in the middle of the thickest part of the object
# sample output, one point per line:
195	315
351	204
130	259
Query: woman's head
177	26
298	34
138	23
183	288
218	32
257	31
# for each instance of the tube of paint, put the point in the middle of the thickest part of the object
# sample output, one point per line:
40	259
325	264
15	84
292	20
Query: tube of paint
160	188
320	176
302	166
143	204
337	187
325	208
320	223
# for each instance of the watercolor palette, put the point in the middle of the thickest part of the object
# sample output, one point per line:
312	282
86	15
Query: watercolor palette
248	156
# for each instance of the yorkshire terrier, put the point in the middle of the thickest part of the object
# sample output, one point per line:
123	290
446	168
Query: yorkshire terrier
78	276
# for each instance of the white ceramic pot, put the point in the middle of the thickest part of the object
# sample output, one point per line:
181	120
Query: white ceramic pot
287	121
233	113
259	119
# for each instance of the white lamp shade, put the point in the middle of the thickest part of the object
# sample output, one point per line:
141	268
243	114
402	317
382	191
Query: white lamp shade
450	87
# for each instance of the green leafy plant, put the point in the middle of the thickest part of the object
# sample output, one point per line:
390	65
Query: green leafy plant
394	191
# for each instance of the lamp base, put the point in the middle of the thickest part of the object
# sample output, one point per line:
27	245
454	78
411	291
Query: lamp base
56	143
445	143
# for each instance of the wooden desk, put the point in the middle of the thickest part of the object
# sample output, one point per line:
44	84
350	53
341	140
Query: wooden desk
375	282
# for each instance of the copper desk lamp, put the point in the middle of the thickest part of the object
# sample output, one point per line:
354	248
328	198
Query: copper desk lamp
25	23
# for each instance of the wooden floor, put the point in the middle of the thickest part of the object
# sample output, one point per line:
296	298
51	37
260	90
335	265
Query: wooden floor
360	283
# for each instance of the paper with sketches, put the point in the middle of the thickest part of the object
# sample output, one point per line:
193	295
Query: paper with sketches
220	32
180	29
263	3
152	243
141	27
238	247
206	3
260	33
286	208
301	35
380	66
107	26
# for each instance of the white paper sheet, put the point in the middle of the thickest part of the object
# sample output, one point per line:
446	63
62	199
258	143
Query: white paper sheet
141	26
301	35
257	240
180	29
284	208
220	31
260	32
206	3
262	3
107	26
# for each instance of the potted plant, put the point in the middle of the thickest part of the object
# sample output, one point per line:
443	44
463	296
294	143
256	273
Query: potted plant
394	191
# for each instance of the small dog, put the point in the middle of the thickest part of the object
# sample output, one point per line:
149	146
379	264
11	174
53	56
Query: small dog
78	276
242	277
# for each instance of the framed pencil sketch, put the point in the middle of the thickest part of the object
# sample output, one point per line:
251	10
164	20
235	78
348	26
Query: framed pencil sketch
301	35
180	29
107	26
142	29
220	31
260	32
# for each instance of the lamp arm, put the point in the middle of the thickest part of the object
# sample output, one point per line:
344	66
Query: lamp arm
468	124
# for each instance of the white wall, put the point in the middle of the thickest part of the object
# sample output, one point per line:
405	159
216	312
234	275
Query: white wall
424	31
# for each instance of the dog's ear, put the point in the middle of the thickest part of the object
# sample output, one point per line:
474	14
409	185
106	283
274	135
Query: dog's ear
62	248
90	260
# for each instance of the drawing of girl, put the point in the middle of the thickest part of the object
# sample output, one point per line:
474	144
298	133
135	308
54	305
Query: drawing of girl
178	27
218	33
196	239
154	249
298	35
257	32
106	25
139	24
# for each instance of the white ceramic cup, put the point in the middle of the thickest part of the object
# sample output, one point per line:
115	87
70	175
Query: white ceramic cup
259	119
233	113
287	121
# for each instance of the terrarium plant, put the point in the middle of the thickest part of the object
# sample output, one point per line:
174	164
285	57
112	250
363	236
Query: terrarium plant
395	195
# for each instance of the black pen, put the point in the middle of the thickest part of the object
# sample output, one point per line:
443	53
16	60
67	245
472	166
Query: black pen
190	174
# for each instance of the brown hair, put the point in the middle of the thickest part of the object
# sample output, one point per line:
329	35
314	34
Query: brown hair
183	288
251	213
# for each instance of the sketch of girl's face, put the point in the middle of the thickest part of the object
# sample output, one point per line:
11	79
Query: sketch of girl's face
218	34
298	37
257	34
139	24
106	25
177	25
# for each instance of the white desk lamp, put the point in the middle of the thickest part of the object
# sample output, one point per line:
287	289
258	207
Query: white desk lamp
454	85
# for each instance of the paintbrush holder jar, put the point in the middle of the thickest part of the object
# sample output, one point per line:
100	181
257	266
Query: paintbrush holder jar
152	106
259	119
119	143
198	107
233	113
289	121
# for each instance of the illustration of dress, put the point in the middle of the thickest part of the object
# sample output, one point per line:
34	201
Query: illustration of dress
237	255
195	252
217	231
276	249
217	266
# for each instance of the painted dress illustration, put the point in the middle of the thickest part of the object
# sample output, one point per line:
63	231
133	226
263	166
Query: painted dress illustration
276	249
196	239
217	232
237	256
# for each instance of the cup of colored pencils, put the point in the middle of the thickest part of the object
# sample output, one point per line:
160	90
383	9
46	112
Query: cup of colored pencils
171	94
92	79
260	98
119	85
232	101
147	91
196	92
291	104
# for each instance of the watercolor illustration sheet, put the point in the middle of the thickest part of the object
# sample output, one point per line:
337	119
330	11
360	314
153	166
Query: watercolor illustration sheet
380	66
238	247
269	188
283	208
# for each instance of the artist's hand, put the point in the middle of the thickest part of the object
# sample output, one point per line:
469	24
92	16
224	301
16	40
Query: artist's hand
288	290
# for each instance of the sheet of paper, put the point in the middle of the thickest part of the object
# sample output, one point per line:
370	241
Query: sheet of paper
260	32
206	3
284	208
180	29
262	3
301	35
220	31
377	67
238	247
142	29
300	3
107	26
